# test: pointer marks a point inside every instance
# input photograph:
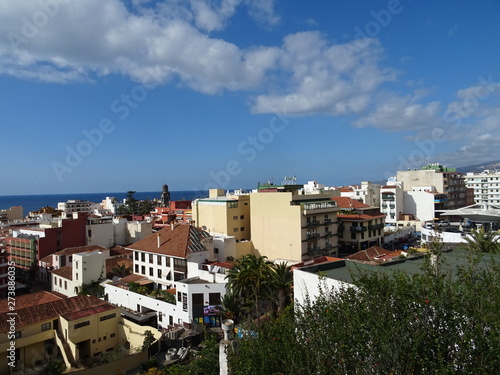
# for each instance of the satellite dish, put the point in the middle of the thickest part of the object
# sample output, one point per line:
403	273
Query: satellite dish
204	227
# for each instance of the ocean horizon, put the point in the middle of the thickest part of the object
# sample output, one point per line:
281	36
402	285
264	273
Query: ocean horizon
35	202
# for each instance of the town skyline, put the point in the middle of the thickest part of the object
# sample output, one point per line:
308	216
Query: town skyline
104	94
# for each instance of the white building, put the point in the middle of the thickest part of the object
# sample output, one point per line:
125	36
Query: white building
367	192
84	267
77	205
392	203
178	259
109	231
486	186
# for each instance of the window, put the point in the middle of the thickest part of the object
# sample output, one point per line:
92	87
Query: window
150	258
89	233
105	337
160	318
136	255
214	298
150	271
180	265
235	230
179	296
235	217
242	216
60	282
65	285
76	275
159	273
112	335
353	236
82	324
158	260
216	250
136	268
233	204
46	326
106	317
143	257
242	229
143	270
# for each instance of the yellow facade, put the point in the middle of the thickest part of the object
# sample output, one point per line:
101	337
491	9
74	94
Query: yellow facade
287	226
229	215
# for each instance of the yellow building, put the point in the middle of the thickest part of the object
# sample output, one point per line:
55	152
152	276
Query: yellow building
42	326
289	225
226	214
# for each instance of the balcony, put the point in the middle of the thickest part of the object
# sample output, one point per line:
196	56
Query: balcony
358	229
312	224
328	234
376	226
327	221
311	237
311	206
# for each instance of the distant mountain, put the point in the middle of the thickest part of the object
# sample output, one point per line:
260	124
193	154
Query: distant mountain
491	165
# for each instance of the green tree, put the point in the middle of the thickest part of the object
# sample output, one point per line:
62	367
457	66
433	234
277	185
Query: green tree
249	279
146	207
483	241
435	322
281	284
149	339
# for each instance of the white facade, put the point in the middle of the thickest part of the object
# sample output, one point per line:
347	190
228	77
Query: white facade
420	203
392	203
77	205
308	285
486	186
367	192
107	231
85	268
168	314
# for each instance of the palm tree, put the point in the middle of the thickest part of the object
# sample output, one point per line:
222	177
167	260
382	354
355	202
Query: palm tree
248	279
483	241
282	281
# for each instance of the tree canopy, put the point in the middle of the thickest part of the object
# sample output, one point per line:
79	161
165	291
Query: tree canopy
431	322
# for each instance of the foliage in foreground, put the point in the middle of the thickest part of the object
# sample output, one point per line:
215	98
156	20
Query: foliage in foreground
399	324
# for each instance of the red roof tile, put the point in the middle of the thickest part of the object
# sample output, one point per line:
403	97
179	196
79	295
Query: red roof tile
28	300
346	202
80	249
179	242
374	254
323	259
50	310
65	272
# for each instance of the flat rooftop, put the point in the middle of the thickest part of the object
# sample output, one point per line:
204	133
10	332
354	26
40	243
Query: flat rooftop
343	270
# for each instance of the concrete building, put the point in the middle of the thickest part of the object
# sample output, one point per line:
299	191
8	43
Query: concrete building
367	192
11	214
27	245
85	268
361	226
290	225
392	203
178	259
176	211
77	205
485	186
228	214
440	179
109	231
74	329
332	276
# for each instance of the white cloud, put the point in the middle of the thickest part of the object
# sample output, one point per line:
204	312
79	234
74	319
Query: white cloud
324	78
395	112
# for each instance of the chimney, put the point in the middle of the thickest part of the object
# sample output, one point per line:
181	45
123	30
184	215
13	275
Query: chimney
158	239
171	226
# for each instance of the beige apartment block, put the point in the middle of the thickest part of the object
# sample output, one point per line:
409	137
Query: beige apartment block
225	214
292	226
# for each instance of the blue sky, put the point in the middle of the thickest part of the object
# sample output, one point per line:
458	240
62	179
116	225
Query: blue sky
108	95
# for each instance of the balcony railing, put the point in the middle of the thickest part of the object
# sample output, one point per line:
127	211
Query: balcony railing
319	205
358	229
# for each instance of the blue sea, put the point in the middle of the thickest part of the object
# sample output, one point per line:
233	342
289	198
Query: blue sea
35	202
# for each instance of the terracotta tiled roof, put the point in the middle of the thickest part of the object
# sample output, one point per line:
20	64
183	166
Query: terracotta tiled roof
119	250
220	264
179	242
374	254
132	278
118	261
47	259
65	272
323	259
80	249
28	300
362	217
346	202
51	310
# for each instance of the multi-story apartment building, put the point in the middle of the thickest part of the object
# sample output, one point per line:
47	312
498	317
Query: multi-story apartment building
441	179
176	211
288	224
10	214
486	186
4	269
178	259
392	204
77	205
77	329
367	192
361	226
228	214
27	245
